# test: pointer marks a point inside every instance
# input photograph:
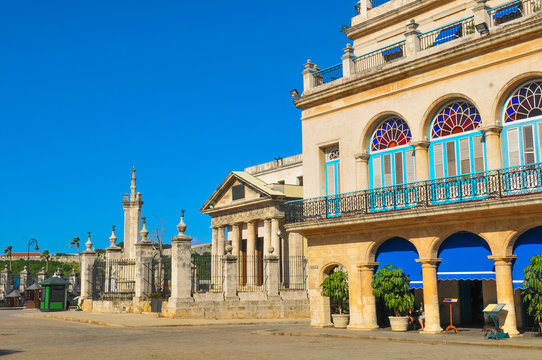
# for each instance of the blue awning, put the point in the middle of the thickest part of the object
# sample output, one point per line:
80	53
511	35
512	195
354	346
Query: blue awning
465	257
527	245
506	11
448	34
402	254
392	51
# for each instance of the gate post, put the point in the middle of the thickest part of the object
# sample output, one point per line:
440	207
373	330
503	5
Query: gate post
5	282
24	279
88	257
229	286
42	275
272	274
113	252
143	272
181	269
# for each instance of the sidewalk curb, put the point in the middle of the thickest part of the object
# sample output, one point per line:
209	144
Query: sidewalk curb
501	344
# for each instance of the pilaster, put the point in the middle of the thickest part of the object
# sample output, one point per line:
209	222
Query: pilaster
422	159
362	167
492	134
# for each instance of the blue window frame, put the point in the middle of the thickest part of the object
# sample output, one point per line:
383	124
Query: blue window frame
332	165
457	147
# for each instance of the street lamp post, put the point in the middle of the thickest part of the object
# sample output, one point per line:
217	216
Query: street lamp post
30	242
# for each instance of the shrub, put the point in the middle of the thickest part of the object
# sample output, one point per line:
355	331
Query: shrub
335	286
393	286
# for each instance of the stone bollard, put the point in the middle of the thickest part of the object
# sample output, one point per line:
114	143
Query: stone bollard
24	279
88	257
272	274
229	286
181	268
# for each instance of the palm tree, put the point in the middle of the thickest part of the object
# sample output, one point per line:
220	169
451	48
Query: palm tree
8	250
75	241
45	255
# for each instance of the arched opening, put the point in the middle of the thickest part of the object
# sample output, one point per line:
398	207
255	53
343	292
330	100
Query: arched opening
467	274
329	306
402	254
526	246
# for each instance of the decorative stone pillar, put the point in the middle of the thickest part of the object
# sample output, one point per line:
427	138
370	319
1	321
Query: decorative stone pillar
113	252
5	282
88	257
275	238
348	61
430	295
492	134
362	167
143	270
230	275
272	275
24	279
482	21
251	252
43	275
132	205
309	80
363	303
181	268
505	292
412	41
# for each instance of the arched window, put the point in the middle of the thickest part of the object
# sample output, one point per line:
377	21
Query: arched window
522	121
392	160
457	146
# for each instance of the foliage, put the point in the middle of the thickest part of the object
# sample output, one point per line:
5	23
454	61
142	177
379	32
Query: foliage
393	286
8	251
121	244
335	286
46	256
75	242
532	283
35	266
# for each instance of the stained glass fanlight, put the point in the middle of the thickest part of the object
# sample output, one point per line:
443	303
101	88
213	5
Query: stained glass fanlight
391	133
525	102
455	118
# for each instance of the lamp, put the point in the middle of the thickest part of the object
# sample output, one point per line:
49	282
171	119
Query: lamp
294	94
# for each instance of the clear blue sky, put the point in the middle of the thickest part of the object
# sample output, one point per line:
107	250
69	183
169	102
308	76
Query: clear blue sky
186	91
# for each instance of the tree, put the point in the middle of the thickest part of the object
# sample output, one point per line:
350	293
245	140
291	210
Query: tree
393	285
336	287
75	242
157	239
8	250
45	255
532	283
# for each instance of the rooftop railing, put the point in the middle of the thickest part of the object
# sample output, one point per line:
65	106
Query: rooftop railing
328	74
514	10
379	57
496	184
370	4
447	33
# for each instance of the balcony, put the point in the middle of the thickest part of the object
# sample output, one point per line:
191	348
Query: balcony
514	10
372	4
483	186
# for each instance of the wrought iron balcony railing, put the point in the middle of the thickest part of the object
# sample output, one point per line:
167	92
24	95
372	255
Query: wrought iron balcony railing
514	10
328	74
379	57
494	184
447	33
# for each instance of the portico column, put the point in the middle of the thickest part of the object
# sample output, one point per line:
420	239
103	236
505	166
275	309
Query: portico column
492	134
362	168
422	159
362	300
430	295
275	240
215	264
266	235
220	249
236	239
251	252
505	292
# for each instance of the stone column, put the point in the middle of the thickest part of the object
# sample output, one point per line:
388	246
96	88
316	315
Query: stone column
229	262
412	41
505	293
24	279
309	80
362	167
88	257
267	235
272	275
143	270
236	238
181	268
363	317
215	264
5	282
492	135
348	62
251	252
221	241
430	296
482	21
275	239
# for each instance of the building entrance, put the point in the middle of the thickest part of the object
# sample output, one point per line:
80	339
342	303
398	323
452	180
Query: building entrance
471	303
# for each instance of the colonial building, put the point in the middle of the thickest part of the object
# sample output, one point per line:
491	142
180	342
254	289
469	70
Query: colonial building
422	148
247	213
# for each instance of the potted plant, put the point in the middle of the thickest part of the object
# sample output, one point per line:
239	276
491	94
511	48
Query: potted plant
335	286
532	285
393	286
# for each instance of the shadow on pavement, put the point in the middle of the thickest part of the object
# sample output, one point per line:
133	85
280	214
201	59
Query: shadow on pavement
8	352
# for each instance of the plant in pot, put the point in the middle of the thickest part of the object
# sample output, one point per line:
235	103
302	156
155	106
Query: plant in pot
392	285
532	285
335	286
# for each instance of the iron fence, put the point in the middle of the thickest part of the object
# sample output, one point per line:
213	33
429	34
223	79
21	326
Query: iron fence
206	272
379	57
294	273
113	279
494	184
251	274
447	33
514	10
328	75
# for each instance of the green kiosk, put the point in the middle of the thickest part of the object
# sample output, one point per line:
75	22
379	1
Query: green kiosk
54	293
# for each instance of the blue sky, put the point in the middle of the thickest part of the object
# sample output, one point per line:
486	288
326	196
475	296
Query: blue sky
185	91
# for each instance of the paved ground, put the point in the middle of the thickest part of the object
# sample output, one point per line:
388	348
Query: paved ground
34	337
